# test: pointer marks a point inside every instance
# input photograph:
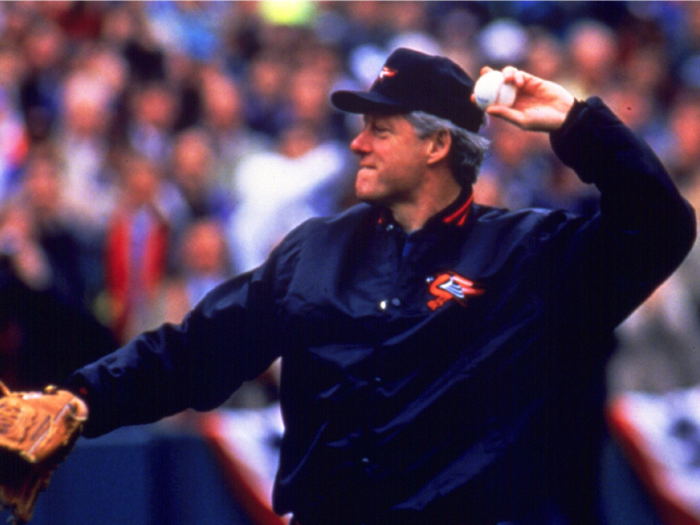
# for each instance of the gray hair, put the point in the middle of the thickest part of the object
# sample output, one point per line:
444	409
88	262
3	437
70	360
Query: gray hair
468	149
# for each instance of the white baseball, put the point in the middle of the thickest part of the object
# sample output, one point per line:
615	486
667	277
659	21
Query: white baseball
490	89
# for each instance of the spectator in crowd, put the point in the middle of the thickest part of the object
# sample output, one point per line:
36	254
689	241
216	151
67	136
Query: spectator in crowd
154	111
14	141
266	85
276	191
193	172
21	251
136	246
79	21
84	147
190	28
528	175
12	70
457	33
55	226
502	42
593	52
545	55
646	70
126	30
367	24
40	89
638	109
683	155
203	262
658	346
409	23
309	105
35	310
223	119
682	33
689	271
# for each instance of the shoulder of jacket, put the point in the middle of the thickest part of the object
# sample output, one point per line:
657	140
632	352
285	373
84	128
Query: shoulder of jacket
528	223
344	220
333	228
503	216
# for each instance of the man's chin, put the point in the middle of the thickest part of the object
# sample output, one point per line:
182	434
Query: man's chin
370	198
371	193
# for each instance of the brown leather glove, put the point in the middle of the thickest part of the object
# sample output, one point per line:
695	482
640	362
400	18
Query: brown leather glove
37	431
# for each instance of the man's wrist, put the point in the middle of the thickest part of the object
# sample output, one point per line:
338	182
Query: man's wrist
574	110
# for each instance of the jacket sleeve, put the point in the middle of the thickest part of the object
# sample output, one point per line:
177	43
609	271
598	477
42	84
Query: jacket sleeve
229	337
606	266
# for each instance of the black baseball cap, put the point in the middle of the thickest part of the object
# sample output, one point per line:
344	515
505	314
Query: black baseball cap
414	81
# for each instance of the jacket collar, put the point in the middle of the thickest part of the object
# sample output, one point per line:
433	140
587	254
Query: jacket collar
455	214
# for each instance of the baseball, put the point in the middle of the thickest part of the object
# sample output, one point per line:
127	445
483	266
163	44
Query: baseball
490	89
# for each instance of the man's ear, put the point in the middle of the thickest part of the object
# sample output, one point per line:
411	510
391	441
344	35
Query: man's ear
439	146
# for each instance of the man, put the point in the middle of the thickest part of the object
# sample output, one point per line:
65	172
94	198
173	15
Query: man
442	362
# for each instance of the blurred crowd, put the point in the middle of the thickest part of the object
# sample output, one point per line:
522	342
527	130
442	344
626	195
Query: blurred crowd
149	150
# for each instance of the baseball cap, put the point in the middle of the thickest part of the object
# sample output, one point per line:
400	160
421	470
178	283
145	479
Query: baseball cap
415	81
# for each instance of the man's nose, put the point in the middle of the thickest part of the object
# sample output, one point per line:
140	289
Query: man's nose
359	144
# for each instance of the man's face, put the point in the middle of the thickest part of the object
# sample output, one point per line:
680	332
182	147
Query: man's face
393	160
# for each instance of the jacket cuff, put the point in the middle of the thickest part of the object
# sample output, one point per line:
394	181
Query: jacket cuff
575	139
78	386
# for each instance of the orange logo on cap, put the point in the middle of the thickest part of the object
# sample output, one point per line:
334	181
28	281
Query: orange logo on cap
450	286
386	73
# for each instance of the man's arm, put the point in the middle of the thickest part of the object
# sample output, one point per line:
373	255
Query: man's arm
644	229
606	266
230	337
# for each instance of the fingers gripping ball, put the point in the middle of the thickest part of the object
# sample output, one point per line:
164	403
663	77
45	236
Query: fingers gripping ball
490	89
37	431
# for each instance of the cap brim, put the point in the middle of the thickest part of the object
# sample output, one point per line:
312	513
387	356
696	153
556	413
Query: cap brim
365	102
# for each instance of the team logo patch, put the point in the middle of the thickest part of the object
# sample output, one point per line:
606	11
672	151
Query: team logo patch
450	286
386	73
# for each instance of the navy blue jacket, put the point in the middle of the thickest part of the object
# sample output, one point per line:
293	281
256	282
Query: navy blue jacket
452	375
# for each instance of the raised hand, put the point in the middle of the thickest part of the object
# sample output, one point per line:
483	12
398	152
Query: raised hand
540	105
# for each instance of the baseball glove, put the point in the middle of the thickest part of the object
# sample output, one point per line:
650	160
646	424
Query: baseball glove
37	431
